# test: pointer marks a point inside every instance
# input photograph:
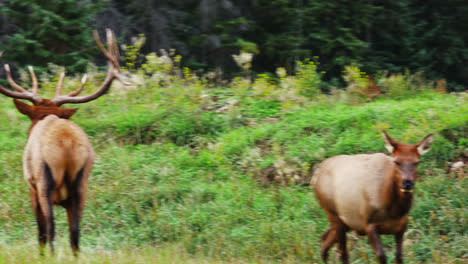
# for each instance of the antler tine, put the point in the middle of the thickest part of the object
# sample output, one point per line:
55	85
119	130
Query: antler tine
112	73
23	94
121	78
99	43
78	91
35	85
58	90
11	81
112	43
114	50
27	96
108	55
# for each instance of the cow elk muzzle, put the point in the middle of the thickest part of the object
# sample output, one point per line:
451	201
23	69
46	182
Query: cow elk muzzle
407	186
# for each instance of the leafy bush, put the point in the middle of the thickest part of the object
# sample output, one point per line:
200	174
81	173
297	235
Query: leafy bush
308	79
404	85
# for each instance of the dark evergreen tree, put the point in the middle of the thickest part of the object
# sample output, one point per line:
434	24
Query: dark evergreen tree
428	36
290	30
445	40
44	31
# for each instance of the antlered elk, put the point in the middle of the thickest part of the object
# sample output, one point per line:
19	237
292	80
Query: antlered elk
368	193
58	156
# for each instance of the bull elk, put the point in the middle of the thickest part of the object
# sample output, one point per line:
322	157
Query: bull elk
368	193
58	156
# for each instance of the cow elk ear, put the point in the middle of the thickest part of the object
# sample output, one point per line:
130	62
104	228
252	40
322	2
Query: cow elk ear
425	144
23	108
66	113
390	144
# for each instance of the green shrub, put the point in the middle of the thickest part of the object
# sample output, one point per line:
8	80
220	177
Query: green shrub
308	79
404	85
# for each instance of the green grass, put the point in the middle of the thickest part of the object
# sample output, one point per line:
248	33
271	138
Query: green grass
182	184
170	254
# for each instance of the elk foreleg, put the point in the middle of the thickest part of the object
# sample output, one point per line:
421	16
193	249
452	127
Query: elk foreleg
374	240
399	242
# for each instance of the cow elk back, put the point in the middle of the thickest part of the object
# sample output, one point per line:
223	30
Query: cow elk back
368	193
58	156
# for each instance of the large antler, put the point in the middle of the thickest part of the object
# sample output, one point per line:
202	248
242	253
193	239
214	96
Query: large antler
113	72
22	93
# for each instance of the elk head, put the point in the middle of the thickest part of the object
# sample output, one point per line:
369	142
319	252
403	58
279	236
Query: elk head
406	159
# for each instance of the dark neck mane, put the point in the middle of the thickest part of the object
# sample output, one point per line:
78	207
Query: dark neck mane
398	203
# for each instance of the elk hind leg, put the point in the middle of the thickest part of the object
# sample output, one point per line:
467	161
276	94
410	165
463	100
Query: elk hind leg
328	239
75	207
73	214
336	234
41	222
44	194
341	235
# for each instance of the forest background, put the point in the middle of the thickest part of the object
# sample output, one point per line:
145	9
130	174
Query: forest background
378	36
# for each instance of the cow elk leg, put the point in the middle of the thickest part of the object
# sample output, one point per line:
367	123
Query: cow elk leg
328	239
399	242
342	244
374	240
336	233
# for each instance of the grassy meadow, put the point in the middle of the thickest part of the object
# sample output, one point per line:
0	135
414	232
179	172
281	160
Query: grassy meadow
192	170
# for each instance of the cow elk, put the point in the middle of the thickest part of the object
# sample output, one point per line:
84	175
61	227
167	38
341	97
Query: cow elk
368	193
58	156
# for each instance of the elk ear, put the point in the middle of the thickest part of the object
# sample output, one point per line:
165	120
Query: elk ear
425	144
66	113
24	108
390	144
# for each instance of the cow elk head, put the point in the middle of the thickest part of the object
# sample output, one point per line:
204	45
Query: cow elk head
406	159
